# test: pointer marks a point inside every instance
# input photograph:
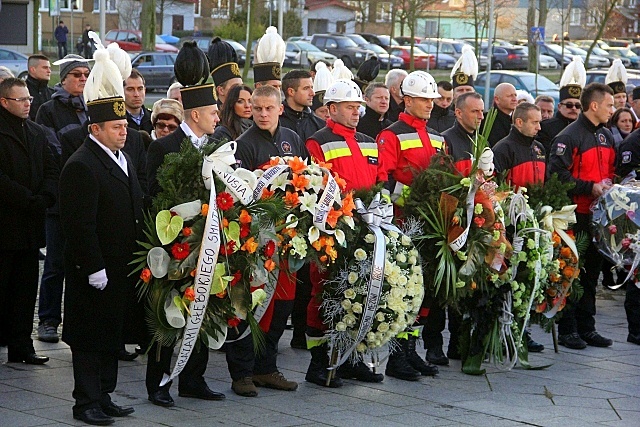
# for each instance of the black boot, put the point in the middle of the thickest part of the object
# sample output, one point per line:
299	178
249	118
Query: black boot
359	371
416	361
317	371
398	366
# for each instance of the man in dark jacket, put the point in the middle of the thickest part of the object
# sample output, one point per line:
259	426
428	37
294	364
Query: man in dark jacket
28	185
376	96
297	87
505	100
583	153
66	110
38	82
442	115
392	81
138	116
101	215
61	37
87	43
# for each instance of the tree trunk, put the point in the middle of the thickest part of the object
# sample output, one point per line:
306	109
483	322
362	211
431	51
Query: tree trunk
148	25
533	47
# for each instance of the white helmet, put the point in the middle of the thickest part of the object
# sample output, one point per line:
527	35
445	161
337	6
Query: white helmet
420	85
343	90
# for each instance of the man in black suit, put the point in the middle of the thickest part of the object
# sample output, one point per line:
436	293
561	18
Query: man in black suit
28	185
200	119
101	214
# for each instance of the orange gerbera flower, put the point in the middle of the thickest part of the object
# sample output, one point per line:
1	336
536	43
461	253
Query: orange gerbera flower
332	218
299	182
348	205
291	199
266	193
250	245
244	217
204	210
297	165
270	265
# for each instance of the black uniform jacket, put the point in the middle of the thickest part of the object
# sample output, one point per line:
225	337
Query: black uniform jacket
441	118
101	216
628	158
371	123
41	93
28	183
395	109
522	156
459	146
501	126
145	123
550	128
257	146
304	122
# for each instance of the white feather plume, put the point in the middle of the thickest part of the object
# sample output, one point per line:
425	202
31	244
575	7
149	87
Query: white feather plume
121	59
575	73
467	63
271	47
616	73
323	78
105	79
96	39
340	71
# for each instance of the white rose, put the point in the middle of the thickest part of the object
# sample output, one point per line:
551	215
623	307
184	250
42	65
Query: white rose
357	308
416	269
371	337
406	240
341	326
393	234
349	319
369	238
392	279
383	327
346	304
398	293
401	257
350	293
380	316
379	336
402	280
353	277
360	254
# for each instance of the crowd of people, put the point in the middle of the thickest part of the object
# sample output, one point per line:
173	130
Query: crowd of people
78	167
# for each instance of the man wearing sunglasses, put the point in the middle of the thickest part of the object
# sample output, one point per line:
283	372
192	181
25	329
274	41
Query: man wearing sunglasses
65	110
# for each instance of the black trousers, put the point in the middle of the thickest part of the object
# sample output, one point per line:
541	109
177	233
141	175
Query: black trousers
580	316
301	301
435	322
632	308
18	290
191	377
95	375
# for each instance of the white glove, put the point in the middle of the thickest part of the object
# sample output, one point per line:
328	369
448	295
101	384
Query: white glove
99	279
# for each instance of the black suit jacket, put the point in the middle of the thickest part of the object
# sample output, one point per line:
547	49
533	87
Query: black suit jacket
155	156
72	139
101	217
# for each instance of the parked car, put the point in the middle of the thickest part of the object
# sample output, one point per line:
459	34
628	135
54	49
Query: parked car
586	43
521	80
203	43
546	62
421	59
381	40
555	51
594	60
599	76
384	57
625	53
131	41
360	41
406	40
510	58
298	52
156	68
602	52
448	46
14	61
342	47
443	60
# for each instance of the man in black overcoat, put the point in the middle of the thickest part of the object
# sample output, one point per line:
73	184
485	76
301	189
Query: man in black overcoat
101	214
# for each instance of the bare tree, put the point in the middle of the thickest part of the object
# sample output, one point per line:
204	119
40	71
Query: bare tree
163	5
129	14
412	10
600	11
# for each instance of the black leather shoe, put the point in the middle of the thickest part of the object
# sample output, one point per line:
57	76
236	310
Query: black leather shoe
532	346
203	392
572	341
29	359
95	417
114	410
319	377
437	357
162	398
594	339
125	356
359	371
634	339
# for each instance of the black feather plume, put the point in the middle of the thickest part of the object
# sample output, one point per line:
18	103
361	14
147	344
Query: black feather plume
191	66
221	52
369	69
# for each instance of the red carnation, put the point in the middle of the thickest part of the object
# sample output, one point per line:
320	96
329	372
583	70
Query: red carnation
190	294
233	322
479	221
180	250
245	230
228	249
269	249
224	201
236	278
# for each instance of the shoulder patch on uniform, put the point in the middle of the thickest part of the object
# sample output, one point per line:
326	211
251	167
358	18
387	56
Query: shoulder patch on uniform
286	147
602	139
626	156
560	149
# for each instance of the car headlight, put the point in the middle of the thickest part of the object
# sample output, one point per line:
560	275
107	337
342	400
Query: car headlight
358	55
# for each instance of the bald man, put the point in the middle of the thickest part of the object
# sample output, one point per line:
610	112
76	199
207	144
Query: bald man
505	101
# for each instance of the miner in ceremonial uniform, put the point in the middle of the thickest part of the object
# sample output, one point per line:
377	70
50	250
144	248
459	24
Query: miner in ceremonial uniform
464	73
224	68
269	57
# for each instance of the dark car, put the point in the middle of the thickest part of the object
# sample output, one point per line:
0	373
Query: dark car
203	43
342	47
156	68
509	58
555	51
599	76
520	80
381	40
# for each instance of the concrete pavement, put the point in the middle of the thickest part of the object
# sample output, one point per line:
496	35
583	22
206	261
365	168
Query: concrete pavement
591	387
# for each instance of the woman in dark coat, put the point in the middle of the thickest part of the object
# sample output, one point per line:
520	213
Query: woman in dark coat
235	115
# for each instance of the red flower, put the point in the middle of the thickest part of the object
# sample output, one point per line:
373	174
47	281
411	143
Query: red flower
233	322
228	249
269	249
479	221
236	278
190	294
145	275
245	230
613	229
186	232
180	250
224	201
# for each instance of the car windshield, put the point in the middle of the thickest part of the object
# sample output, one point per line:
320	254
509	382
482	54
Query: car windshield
358	39
307	46
558	49
576	50
388	41
529	81
346	42
599	51
427	48
374	47
237	46
627	53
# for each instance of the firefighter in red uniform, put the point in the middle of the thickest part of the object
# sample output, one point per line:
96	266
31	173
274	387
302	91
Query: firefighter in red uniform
519	153
583	153
354	156
406	148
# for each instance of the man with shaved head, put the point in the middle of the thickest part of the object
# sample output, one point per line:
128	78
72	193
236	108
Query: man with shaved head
505	101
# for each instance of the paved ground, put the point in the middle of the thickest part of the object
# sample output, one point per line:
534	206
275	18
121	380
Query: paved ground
592	387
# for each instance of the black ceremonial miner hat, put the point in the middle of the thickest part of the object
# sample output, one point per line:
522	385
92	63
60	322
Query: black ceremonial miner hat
106	109
198	96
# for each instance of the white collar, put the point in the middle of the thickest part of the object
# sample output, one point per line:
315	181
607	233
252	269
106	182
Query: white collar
195	140
121	160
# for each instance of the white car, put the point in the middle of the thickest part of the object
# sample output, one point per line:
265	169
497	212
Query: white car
14	61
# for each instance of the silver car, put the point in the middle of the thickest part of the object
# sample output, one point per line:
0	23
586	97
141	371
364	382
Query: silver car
14	61
299	53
